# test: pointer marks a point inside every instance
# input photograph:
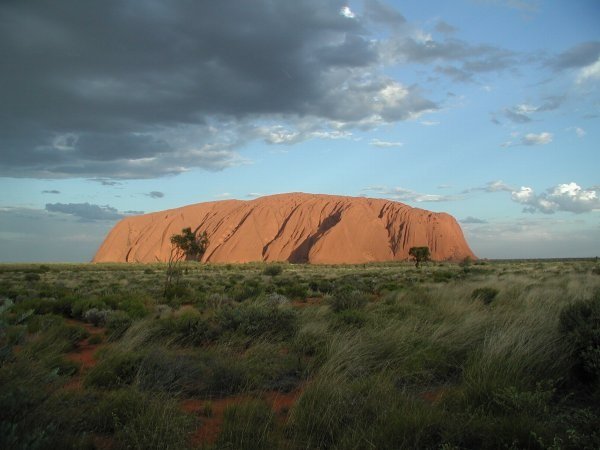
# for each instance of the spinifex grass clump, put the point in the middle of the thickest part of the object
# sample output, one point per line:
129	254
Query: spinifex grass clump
485	294
580	324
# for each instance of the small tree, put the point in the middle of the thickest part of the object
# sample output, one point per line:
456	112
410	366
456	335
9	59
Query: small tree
419	254
188	246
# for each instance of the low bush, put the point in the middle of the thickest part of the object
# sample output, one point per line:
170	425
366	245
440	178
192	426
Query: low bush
114	370
485	294
258	320
348	299
580	323
273	270
351	318
160	424
117	323
247	426
161	370
187	329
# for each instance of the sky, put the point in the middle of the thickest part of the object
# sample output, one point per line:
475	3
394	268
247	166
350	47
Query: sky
485	109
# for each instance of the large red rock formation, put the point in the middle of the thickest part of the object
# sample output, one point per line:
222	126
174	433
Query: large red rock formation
321	229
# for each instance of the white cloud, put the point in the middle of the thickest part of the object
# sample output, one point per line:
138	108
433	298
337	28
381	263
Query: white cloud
580	132
402	194
589	73
563	197
529	139
492	186
300	131
385	144
523	195
429	123
537	139
347	12
525	108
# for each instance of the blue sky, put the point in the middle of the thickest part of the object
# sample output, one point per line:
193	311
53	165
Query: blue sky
485	109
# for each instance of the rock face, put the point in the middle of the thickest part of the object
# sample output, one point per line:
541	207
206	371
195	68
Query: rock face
299	228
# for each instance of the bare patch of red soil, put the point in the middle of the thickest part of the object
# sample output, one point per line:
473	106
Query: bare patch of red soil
211	413
84	354
310	301
103	442
434	395
282	402
211	424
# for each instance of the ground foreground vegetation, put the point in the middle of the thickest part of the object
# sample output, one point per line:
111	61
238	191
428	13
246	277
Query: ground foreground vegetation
478	355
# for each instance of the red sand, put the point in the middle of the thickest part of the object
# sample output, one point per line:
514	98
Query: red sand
208	432
84	354
311	228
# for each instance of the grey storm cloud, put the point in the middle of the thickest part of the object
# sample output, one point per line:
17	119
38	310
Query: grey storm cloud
472	59
578	56
155	194
474	220
445	28
382	13
135	89
87	211
516	116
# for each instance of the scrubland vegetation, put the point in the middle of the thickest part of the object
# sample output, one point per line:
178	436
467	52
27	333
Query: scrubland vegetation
484	355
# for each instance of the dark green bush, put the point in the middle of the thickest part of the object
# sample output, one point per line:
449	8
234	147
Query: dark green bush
485	294
188	329
580	323
273	270
351	317
323	286
247	289
31	277
348	299
160	424
163	371
117	323
80	306
115	370
247	426
259	320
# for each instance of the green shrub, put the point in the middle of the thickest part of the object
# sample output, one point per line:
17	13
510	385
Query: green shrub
259	320
580	323
485	294
245	290
348	299
96	317
61	337
187	329
95	339
80	306
31	277
247	426
159	424
114	370
351	317
172	373
267	369
323	286
117	323
273	270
